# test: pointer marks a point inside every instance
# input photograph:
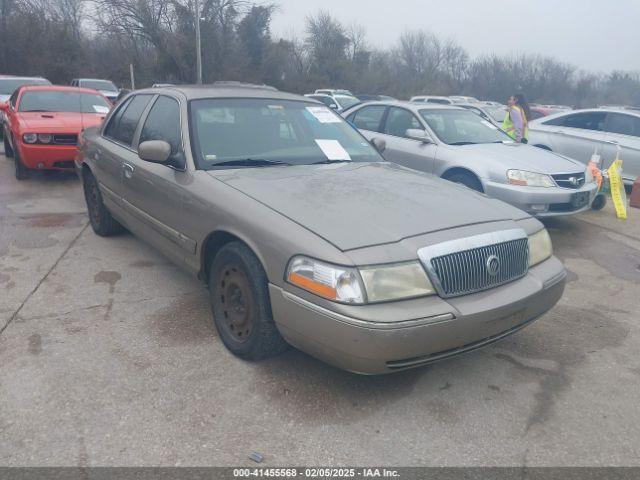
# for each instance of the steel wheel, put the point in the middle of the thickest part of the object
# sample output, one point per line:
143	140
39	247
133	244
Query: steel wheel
239	296
236	301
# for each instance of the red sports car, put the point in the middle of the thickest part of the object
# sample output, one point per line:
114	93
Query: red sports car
43	123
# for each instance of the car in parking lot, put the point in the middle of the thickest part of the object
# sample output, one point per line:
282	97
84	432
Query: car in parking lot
369	97
334	91
305	235
458	145
336	101
43	123
432	99
581	133
105	87
9	84
492	113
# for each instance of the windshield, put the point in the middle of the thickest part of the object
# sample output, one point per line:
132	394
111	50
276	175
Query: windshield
98	85
291	132
462	127
497	113
9	85
346	101
61	101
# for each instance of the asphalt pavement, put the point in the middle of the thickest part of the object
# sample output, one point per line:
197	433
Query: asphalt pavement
108	357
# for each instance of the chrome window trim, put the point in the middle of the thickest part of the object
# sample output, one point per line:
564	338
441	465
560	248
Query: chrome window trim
428	253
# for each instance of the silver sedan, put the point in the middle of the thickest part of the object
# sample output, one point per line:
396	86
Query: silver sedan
582	133
458	145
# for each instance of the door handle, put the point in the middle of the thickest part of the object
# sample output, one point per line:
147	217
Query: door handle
128	170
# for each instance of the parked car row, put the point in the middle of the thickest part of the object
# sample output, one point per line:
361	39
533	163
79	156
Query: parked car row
458	145
306	236
395	235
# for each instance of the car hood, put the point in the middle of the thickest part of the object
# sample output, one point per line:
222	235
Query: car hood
354	205
59	121
518	156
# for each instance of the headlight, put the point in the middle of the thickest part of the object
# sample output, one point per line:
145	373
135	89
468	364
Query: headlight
540	247
44	138
395	282
30	138
529	179
341	284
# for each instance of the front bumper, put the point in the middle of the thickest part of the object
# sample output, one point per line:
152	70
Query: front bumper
359	344
544	202
48	157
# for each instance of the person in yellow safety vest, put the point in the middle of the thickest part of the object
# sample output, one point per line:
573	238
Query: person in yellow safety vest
516	121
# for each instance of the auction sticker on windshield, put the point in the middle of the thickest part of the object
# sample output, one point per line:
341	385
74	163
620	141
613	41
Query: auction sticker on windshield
333	150
324	115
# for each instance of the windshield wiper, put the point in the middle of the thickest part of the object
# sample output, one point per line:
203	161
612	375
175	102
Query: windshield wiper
34	111
248	162
463	143
321	162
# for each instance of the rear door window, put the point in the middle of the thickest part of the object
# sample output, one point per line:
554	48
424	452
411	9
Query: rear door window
623	124
123	128
110	129
368	118
584	121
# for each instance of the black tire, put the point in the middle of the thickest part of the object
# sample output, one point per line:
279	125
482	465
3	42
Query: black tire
8	151
241	306
599	202
21	170
466	179
101	220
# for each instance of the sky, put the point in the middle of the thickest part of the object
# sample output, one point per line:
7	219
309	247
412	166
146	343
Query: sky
595	35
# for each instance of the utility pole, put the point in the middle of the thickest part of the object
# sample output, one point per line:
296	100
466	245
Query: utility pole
133	78
198	45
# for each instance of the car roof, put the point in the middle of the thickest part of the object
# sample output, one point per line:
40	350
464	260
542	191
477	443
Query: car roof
410	105
58	88
226	90
13	77
565	113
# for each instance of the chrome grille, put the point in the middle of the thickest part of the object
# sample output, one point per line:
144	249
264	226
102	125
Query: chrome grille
461	267
569	180
64	139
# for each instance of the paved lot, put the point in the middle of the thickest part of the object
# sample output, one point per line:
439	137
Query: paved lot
108	357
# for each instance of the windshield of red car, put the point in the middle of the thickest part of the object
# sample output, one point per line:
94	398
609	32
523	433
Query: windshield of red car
283	131
62	101
9	85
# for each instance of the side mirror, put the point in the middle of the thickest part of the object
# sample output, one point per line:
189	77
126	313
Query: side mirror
418	134
4	106
334	106
379	144
155	151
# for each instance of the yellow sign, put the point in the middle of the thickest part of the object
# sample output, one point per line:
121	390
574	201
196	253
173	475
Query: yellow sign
618	194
